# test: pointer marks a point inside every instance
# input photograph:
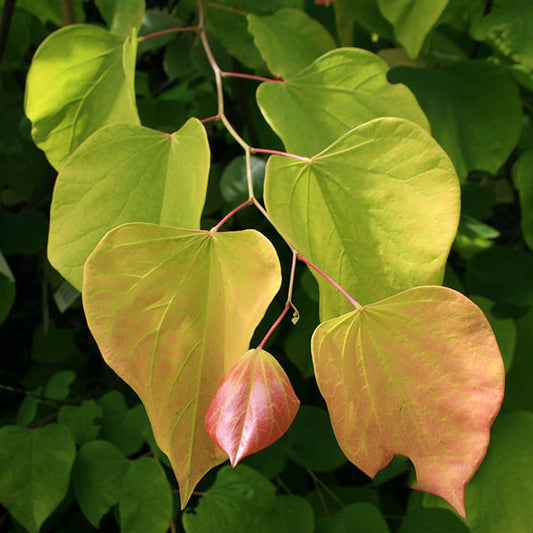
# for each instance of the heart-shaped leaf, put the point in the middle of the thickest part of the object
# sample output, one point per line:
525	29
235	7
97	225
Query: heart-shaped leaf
419	375
377	211
126	173
172	310
253	406
289	40
339	91
412	20
80	79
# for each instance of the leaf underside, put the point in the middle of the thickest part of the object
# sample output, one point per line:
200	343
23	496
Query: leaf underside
420	375
172	310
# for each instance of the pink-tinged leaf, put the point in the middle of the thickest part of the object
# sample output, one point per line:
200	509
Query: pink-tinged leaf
253	406
418	374
172	310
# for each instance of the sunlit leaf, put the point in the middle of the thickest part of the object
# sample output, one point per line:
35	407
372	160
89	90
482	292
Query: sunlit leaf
412	20
35	465
480	133
126	173
253	406
377	211
172	310
80	79
509	29
339	91
289	40
419	375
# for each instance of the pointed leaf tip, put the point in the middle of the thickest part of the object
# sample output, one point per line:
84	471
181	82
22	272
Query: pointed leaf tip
253	407
418	374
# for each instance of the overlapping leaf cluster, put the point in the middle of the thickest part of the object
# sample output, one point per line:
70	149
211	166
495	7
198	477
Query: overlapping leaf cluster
367	193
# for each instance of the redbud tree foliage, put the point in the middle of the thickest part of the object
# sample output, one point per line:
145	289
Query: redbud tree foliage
273	212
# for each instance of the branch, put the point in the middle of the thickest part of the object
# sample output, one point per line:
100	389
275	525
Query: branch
170	30
68	12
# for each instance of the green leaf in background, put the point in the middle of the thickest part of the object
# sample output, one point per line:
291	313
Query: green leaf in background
503	275
80	79
126	173
122	15
500	494
7	295
327	500
289	40
58	386
473	236
504	329
509	29
331	209
50	11
354	518
311	442
234	185
83	421
430	520
271	461
35	466
23	232
474	109
370	17
97	478
54	346
339	91
412	20
524	176
18	41
145	503
242	500
154	21
121	425
518	389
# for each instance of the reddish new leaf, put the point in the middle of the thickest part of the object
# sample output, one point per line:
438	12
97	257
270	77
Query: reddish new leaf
418	374
253	407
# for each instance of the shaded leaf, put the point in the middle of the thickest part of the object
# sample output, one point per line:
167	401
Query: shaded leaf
412	20
97	478
58	386
419	375
7	296
354	518
83	421
54	346
253	406
377	211
327	501
509	29
80	79
510	268
293	513
36	467
339	91
120	425
271	461
51	11
145	503
234	184
122	15
155	21
524	177
311	442
481	131
289	40
241	500
126	173
171	310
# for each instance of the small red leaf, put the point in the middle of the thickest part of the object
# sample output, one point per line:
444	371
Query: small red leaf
253	406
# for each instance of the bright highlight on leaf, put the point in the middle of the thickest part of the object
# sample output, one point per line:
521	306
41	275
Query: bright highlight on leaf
253	406
377	211
419	375
339	91
126	173
80	79
171	310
